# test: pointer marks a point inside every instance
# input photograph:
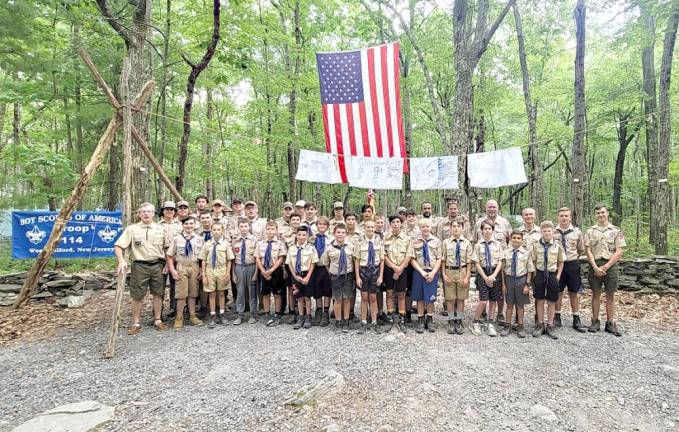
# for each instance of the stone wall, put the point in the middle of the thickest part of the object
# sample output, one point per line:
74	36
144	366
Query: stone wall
56	284
657	274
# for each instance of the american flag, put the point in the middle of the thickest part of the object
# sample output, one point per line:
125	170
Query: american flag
361	102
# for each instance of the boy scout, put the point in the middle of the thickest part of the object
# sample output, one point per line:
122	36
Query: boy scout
182	260
201	205
604	244
257	224
573	243
320	281
517	270
531	232
456	271
487	257
219	211
183	210
412	230
290	237
284	221
338	215
146	242
368	271
270	256
398	252
338	259
172	227
245	271
354	234
427	251
444	227
216	257
301	259
310	219
547	256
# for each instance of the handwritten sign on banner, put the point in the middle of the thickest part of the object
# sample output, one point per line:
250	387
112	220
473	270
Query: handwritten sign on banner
375	172
433	173
318	167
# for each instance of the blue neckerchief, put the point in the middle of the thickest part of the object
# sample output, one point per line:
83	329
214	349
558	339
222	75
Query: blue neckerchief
489	260
267	255
207	235
515	253
242	251
189	247
371	255
342	265
425	253
458	253
563	237
213	259
545	254
298	261
319	243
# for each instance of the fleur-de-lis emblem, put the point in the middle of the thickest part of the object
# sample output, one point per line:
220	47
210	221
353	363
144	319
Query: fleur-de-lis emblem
35	235
107	234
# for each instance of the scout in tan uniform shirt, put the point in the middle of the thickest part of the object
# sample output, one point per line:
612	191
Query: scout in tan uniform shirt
547	256
411	228
531	232
368	271
172	227
604	244
301	259
270	256
338	258
443	229
338	215
284	221
517	269
320	281
216	257
487	258
290	237
257	224
146	243
354	234
456	271
573	243
398	253
183	264
245	271
502	229
310	220
426	264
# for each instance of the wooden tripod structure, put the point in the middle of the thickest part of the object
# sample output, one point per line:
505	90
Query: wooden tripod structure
122	117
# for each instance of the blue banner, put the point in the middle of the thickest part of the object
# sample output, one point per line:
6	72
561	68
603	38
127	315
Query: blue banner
87	234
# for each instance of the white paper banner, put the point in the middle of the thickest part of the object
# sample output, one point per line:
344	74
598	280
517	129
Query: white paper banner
433	173
496	168
318	167
374	172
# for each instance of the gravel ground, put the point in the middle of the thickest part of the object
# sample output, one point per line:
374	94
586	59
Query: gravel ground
235	378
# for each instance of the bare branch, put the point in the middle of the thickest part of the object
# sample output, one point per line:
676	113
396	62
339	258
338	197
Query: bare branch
114	22
481	45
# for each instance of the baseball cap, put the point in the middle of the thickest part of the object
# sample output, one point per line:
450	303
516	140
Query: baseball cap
168	204
300	203
250	203
237	200
218	202
287	204
338	204
183	204
401	210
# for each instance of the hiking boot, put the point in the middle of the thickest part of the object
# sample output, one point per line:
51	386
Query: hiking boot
539	330
345	326
362	329
238	321
400	323
491	330
506	330
212	322
195	321
375	328
430	324
171	313
520	331
459	329
577	324
299	323
612	328
420	324
595	326
452	326
382	318
220	319
557	320
550	331
252	319
325	319
178	323
276	320
338	326
308	322
476	328
318	315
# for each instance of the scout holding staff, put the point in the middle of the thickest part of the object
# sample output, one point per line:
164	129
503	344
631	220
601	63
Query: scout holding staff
216	258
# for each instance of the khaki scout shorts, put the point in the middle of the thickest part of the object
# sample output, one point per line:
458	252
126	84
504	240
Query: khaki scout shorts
216	279
187	285
147	277
455	290
609	281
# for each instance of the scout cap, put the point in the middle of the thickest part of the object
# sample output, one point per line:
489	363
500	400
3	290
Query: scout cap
287	204
401	210
300	203
168	205
338	204
218	202
183	204
250	203
237	200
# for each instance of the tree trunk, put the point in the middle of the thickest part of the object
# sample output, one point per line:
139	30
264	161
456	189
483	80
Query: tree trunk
3	111
535	182
624	138
662	203
578	153
650	115
196	70
112	180
207	148
79	137
292	106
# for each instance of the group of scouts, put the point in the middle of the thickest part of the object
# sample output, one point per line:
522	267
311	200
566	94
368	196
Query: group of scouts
308	267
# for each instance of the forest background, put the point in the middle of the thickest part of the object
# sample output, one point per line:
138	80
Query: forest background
475	76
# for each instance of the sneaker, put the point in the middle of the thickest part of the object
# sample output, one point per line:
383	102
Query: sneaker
550	331
612	328
452	327
539	330
238	321
318	315
375	328
325	319
308	322
595	326
361	330
212	322
270	321
459	329
345	326
276	320
299	323
178	323
506	330
220	319
420	324
429	323
491	330
500	318
577	324
557	320
195	321
476	328
401	325
520	331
